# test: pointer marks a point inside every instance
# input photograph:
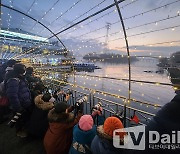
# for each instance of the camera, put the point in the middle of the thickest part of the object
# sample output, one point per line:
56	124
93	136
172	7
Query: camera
79	104
97	109
82	100
14	119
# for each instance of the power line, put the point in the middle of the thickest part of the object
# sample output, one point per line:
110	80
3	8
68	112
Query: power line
83	14
133	16
98	12
152	31
156	21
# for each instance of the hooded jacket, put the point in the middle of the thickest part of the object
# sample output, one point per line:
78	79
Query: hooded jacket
103	143
58	137
82	140
17	92
38	124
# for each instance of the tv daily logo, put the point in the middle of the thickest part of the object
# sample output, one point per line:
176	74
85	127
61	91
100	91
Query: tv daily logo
134	138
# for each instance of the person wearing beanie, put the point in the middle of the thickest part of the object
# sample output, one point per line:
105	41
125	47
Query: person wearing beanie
33	82
103	141
83	134
10	67
19	97
38	124
58	137
10	64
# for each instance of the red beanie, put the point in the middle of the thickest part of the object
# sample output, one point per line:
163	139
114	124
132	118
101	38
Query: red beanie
112	123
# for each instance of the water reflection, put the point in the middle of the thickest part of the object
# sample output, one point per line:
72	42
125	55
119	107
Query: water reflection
156	94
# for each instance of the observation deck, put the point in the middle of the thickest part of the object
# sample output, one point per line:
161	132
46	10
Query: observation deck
53	36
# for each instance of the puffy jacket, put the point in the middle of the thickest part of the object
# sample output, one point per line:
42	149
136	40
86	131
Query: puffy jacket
18	94
82	140
103	144
58	137
38	124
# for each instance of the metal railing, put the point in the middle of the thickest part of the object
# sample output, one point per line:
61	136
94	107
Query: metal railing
109	107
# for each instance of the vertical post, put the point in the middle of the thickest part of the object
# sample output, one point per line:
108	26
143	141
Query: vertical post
129	62
0	27
86	108
90	101
105	113
74	96
93	99
73	103
117	109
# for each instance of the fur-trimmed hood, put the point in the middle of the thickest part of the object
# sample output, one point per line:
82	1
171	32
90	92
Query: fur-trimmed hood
102	134
103	143
60	117
41	104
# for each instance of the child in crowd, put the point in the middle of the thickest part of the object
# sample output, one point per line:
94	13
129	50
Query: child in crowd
83	134
58	137
103	141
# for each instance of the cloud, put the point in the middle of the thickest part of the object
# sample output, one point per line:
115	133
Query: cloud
81	47
155	50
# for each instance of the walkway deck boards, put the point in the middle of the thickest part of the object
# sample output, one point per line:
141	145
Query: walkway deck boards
11	144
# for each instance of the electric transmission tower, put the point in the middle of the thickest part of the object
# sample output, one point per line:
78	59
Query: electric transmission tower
108	27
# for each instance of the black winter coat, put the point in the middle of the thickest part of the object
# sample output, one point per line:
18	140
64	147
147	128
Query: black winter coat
18	94
165	121
39	123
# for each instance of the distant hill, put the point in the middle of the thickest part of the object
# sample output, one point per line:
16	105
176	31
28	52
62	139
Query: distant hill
109	58
173	61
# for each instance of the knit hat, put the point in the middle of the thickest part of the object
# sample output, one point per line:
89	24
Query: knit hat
112	123
29	70
46	97
11	62
86	122
19	68
60	107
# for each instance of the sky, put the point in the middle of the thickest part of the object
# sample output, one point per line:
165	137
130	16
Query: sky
152	26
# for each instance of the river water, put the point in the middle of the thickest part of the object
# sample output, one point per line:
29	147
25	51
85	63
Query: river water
155	94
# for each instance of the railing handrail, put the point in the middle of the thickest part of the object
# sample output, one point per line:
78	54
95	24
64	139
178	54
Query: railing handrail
134	109
107	93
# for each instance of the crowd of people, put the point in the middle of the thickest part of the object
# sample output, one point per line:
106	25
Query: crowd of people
35	112
64	129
